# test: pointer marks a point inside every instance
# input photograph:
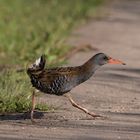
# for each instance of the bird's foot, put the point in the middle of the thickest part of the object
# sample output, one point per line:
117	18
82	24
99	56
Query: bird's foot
94	115
33	121
97	115
34	115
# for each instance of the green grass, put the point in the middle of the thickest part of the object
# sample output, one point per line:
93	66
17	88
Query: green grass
15	96
29	28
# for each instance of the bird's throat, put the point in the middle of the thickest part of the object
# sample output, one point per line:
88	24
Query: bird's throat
87	70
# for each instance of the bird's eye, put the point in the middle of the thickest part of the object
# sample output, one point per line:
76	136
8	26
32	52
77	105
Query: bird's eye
105	58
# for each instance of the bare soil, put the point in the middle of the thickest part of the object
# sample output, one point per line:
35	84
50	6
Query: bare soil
112	92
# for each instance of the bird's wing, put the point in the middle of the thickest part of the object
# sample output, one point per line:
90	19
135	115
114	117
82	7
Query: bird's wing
64	73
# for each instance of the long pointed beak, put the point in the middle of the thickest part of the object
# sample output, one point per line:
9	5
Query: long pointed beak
115	61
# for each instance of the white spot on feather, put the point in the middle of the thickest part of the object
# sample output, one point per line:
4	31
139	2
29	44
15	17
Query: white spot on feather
37	62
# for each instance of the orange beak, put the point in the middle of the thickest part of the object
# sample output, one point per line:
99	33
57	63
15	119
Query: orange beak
115	61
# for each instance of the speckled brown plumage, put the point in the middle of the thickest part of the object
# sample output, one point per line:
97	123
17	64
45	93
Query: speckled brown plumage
61	80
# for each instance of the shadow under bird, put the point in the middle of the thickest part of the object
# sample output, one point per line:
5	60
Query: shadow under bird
61	80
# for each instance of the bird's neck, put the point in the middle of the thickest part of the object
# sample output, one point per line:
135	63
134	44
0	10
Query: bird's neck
91	66
87	70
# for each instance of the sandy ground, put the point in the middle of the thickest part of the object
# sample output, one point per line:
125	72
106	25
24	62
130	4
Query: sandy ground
112	92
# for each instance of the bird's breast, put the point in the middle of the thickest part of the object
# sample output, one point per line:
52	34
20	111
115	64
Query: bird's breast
59	85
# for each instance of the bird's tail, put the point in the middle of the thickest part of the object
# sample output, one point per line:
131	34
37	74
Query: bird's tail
37	66
40	62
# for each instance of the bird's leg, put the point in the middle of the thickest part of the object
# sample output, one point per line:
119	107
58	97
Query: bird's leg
33	106
80	107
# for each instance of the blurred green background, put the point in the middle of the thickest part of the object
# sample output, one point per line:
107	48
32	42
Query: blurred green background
29	28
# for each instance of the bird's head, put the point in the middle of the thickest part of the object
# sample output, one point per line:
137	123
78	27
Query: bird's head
101	59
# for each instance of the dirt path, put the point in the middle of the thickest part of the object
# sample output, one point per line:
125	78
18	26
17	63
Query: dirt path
113	92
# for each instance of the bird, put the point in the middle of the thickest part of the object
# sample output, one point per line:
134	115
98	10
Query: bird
60	81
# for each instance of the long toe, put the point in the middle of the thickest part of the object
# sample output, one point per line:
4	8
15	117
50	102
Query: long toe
95	115
33	121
